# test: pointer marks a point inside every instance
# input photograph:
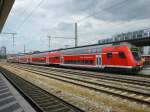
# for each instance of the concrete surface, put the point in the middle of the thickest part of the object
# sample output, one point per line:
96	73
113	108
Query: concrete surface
10	99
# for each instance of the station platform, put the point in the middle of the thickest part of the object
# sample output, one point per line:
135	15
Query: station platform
10	99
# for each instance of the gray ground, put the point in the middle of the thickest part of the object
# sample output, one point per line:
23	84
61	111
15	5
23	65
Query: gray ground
146	71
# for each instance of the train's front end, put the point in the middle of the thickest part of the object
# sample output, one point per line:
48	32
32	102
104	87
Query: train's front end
138	60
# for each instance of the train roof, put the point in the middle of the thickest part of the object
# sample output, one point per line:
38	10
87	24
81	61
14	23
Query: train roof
71	48
65	49
22	54
113	43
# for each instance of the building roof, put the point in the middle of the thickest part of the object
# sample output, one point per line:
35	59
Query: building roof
5	7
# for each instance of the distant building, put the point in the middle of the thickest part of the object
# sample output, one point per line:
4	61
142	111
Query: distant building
3	51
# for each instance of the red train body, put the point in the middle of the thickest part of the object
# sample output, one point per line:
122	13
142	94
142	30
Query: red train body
40	58
97	56
24	58
55	58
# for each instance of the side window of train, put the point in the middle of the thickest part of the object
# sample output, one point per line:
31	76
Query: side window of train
56	57
122	55
109	55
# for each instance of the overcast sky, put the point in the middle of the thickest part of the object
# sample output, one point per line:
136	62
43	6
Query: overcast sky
33	20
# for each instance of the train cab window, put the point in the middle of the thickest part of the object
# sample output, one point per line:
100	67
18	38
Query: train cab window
109	55
137	56
122	55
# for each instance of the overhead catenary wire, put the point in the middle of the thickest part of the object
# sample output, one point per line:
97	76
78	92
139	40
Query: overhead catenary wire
29	15
82	19
57	37
101	11
62	37
24	21
22	14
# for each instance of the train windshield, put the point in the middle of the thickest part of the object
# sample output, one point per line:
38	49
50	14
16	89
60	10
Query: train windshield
136	55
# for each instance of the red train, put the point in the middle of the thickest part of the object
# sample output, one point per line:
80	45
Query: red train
124	56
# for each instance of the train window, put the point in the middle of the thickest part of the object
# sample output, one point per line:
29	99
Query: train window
76	62
136	55
109	55
88	62
81	62
66	61
122	55
72	62
56	58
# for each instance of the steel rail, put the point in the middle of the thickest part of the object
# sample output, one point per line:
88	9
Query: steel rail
124	79
39	98
123	93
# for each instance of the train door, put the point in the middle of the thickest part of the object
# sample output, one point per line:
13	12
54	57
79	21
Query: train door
47	59
98	61
62	60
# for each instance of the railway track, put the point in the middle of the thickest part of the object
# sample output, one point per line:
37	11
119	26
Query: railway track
99	76
138	93
104	82
41	100
92	72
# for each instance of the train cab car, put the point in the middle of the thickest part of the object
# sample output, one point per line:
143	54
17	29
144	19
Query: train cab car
55	57
122	57
106	57
40	58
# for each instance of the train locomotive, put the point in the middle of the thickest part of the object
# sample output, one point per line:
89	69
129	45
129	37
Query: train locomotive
123	56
